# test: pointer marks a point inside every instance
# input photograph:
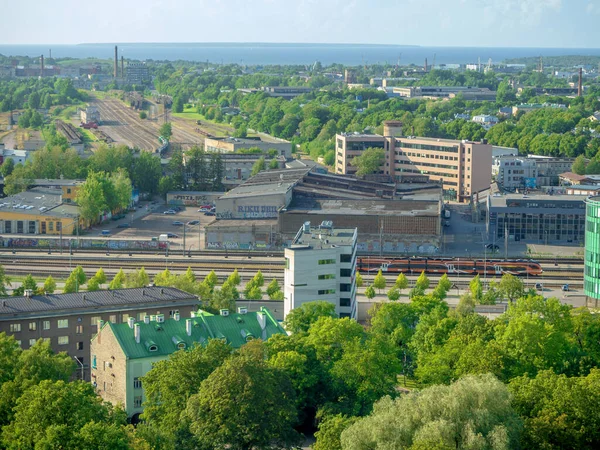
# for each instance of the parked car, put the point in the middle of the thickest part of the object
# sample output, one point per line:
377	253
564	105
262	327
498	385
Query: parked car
118	217
177	223
565	287
123	225
492	247
170	212
172	235
206	207
209	213
539	286
193	222
104	233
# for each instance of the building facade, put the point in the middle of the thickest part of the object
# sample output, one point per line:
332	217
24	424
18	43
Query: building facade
137	73
591	275
514	172
536	218
320	264
233	145
463	168
122	353
68	321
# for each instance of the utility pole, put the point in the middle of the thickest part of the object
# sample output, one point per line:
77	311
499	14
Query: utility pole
184	240
505	238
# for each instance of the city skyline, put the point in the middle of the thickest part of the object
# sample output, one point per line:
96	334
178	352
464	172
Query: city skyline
493	23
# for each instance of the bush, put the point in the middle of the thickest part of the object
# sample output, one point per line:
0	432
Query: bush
143	115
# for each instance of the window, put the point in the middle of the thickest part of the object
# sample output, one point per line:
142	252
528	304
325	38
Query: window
94	362
80	345
18	342
125	318
287	263
31	227
141	316
31	342
46	325
326	261
50	226
32	326
112	318
345	287
137	401
343	315
63	340
329	276
345	258
15	327
94	320
344	302
137	383
326	291
68	190
58	226
8	226
63	323
345	272
79	329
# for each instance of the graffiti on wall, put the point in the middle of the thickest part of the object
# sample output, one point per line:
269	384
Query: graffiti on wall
83	244
254	212
224	215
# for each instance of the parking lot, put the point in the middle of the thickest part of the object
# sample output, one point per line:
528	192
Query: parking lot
149	221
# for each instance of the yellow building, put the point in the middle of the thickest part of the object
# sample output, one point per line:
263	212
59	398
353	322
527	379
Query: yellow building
40	211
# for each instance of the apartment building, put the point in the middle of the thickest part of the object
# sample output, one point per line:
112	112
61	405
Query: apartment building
122	353
513	172
320	264
69	321
463	168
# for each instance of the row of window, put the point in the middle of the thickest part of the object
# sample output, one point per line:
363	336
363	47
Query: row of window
428	155
30	224
33	326
61	340
437	148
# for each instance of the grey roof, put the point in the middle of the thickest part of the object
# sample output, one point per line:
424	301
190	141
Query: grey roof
504	200
11	306
379	207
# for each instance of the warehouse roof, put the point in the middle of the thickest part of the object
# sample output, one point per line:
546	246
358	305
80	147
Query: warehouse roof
365	207
165	337
11	306
38	202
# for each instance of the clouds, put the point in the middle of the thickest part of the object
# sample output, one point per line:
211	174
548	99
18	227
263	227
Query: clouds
422	22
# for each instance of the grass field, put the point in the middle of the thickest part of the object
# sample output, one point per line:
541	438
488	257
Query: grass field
88	136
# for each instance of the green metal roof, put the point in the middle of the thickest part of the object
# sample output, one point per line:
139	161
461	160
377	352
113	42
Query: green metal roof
161	339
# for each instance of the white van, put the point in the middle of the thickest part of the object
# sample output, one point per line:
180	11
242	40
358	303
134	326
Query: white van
163	238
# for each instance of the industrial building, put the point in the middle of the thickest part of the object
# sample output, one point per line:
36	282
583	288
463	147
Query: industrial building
591	275
467	92
123	352
90	114
136	72
47	211
68	321
233	145
536	218
320	264
285	92
463	168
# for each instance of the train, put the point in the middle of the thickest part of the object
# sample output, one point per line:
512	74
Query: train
450	266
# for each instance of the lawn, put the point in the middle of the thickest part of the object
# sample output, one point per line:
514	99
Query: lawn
88	136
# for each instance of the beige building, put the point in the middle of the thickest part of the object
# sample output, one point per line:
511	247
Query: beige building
234	145
463	168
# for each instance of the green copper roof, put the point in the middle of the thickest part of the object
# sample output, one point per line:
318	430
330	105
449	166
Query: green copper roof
160	339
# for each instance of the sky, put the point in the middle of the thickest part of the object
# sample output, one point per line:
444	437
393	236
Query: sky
471	23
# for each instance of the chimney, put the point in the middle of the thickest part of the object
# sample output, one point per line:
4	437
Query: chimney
143	292
193	314
42	64
131	322
146	319
580	84
242	310
50	53
224	312
425	65
176	316
122	67
4	303
188	326
84	297
136	332
28	293
116	61
261	316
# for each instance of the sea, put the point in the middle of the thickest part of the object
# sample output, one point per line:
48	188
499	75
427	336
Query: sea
291	54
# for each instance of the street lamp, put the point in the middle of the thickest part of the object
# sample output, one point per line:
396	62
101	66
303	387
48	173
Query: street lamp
80	364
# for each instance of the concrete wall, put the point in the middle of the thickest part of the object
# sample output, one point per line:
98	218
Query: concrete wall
193	198
252	207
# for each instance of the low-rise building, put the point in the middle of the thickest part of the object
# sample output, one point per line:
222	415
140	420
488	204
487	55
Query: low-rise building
512	172
68	321
527	107
485	120
137	73
122	353
90	114
549	168
536	218
235	145
320	264
466	92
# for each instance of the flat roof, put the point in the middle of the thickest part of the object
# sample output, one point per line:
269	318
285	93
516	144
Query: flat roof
90	301
254	190
348	207
501	200
39	202
319	237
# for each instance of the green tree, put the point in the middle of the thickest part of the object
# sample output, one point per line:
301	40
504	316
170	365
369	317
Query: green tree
4	281
100	276
258	166
166	130
172	381
147	172
379	282
370	292
511	287
393	294
578	166
79	275
359	280
369	161
474	412
122	189
259	279
57	414
29	283
442	288
189	275
49	285
422	282
234	278
273	164
93	284
164	278
253	292
143	115
245	404
70	285
466	304
401	281
118	281
300	319
273	288
476	289
7	167
211	279
91	198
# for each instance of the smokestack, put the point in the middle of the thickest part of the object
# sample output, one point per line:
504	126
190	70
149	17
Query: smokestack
122	67
425	65
42	64
116	61
580	85
50	56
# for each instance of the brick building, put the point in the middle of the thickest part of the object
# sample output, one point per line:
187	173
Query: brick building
69	321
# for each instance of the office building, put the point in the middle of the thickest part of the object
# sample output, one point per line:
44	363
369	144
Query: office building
549	168
69	321
122	353
466	92
320	264
591	276
536	218
463	168
137	73
513	172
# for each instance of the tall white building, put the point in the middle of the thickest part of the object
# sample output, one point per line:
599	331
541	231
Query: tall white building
320	264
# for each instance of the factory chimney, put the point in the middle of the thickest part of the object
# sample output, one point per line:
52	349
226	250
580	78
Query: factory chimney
580	84
116	62
425	65
122	67
42	66
50	53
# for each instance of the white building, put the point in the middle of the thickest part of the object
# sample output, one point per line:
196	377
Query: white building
513	172
485	120
320	264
